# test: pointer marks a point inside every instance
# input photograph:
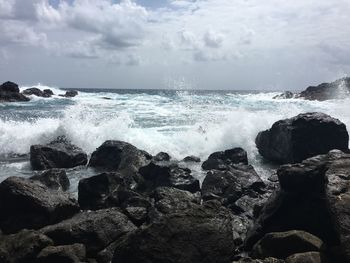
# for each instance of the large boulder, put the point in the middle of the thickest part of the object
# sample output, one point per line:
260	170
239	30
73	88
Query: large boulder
303	136
326	91
75	253
118	155
221	160
172	175
23	246
283	244
28	204
101	191
96	229
9	92
59	153
55	179
201	234
303	204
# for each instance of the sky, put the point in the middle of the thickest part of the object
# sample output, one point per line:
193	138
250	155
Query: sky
175	44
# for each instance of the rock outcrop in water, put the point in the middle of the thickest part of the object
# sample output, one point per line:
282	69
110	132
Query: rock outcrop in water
9	92
303	136
46	93
59	153
69	94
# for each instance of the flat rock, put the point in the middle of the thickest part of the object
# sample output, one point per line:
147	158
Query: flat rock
28	204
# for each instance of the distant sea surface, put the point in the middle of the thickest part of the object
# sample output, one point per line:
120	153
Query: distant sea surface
179	122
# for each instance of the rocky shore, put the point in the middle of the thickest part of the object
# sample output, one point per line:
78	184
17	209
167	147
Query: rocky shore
143	208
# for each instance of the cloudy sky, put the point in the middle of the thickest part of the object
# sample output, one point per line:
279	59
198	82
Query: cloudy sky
198	44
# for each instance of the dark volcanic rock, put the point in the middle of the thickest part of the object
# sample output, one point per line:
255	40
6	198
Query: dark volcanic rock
283	244
284	95
37	92
69	94
191	159
75	253
202	234
54	179
96	229
29	204
9	92
321	212
298	138
101	191
114	155
326	91
57	154
220	160
156	175
22	247
162	157
308	257
265	260
229	185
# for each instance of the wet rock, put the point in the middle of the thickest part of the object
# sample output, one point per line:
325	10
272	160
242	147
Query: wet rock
69	94
118	155
229	185
298	138
200	234
55	179
29	204
37	92
9	92
221	160
326	91
101	191
285	95
75	253
308	257
22	247
162	157
59	153
265	260
283	244
156	175
191	159
96	229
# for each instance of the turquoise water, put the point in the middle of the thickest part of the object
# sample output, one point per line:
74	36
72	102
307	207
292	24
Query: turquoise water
179	122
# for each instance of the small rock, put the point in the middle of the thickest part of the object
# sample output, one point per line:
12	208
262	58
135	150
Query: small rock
162	157
191	159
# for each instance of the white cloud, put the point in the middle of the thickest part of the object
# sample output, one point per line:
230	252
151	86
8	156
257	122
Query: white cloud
213	39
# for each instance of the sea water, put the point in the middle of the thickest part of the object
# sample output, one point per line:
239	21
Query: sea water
179	122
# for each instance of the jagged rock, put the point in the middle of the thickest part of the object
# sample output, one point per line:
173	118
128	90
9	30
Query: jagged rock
23	246
308	257
156	175
321	212
231	184
118	155
191	159
28	204
221	160
298	138
162	157
59	153
75	253
101	191
283	244
9	92
326	91
48	93
96	229
285	95
201	234
55	179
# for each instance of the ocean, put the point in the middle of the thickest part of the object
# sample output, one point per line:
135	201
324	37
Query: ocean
179	122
